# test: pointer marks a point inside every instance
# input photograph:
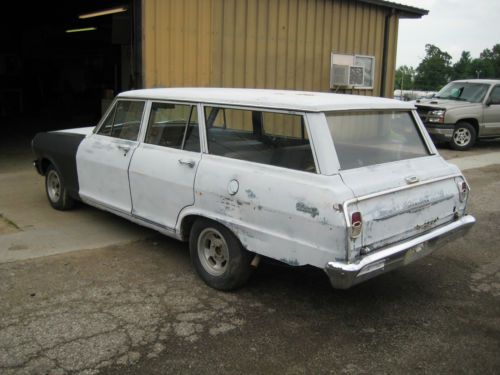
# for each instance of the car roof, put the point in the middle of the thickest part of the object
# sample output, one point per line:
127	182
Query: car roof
487	81
275	99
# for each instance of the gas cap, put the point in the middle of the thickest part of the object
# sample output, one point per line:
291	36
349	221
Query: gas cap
233	187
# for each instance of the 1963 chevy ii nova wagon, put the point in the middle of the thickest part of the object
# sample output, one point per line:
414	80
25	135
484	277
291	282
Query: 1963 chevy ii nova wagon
349	184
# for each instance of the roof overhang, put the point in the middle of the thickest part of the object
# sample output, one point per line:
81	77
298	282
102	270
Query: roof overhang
403	11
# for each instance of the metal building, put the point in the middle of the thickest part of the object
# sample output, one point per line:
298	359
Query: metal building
283	44
60	69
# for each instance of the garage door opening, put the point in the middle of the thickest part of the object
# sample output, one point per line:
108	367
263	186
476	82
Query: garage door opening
61	63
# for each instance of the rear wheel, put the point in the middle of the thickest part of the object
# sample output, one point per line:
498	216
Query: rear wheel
463	137
218	256
56	191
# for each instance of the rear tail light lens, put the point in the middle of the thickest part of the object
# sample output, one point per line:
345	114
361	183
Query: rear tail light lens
356	224
463	190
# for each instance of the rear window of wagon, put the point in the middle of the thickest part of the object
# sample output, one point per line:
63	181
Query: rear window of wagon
364	138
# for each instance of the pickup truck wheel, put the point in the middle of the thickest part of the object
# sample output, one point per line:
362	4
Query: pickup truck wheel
464	136
56	192
218	256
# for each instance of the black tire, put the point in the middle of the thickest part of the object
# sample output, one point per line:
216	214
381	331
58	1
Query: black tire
464	136
218	256
56	191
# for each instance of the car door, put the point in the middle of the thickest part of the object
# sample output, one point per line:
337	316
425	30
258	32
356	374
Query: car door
164	165
491	113
103	158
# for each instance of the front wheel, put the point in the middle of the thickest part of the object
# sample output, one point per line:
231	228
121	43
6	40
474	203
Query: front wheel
218	256
463	137
56	191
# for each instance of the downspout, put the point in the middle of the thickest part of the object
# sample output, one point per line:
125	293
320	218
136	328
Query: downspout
385	51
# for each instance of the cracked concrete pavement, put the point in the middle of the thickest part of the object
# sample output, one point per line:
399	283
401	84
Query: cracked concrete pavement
76	315
137	307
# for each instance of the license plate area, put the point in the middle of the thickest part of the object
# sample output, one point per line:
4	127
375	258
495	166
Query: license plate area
416	252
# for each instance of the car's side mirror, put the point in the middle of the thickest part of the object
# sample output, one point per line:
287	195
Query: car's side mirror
488	102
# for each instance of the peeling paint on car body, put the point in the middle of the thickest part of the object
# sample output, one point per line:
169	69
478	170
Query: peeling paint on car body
302	207
250	194
267	223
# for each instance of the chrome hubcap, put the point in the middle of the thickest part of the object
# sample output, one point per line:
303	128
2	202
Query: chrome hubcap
53	186
462	136
213	251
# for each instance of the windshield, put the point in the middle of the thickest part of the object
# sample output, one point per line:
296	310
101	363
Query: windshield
364	138
464	91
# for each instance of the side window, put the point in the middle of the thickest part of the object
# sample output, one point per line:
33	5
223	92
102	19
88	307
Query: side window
108	123
495	95
124	120
278	139
173	125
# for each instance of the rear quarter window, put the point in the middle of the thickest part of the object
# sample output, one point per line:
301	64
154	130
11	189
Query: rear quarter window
364	138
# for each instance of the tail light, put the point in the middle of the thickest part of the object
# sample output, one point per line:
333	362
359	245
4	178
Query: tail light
356	224
463	190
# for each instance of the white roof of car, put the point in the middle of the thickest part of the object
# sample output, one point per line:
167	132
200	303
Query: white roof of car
276	99
475	80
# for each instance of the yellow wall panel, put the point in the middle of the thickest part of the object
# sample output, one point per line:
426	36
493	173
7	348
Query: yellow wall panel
177	43
283	44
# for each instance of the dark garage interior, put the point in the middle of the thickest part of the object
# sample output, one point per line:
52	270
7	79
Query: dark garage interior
62	62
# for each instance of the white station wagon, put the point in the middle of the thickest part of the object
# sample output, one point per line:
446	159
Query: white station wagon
350	184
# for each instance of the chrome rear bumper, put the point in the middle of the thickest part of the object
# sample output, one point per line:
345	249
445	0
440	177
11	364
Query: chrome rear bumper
344	275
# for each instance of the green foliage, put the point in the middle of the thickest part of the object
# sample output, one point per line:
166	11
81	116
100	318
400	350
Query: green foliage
404	77
436	69
462	68
482	68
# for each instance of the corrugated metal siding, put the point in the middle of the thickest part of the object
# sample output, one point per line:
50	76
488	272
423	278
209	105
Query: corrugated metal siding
284	44
176	43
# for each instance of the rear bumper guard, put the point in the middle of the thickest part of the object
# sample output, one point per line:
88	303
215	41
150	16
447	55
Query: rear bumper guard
345	275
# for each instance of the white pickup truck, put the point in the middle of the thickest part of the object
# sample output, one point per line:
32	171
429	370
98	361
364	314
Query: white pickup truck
350	184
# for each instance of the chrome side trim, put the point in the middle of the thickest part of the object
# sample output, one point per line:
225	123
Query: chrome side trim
153	223
128	215
415	208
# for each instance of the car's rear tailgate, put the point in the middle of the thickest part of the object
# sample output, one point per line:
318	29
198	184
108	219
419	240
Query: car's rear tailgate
400	200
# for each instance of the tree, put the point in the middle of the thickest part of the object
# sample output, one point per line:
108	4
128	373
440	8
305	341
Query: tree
463	68
489	62
404	77
435	69
483	68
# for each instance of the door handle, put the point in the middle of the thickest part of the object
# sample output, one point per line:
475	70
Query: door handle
189	163
125	149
